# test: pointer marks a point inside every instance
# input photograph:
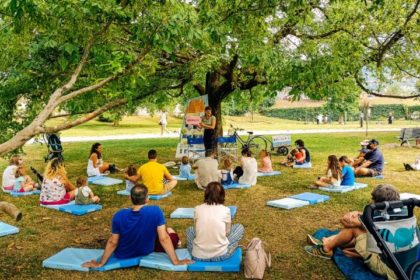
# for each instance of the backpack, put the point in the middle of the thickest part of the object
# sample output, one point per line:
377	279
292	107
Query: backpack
256	259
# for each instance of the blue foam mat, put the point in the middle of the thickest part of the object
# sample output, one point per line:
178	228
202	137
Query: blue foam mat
188	213
56	207
80	210
94	178
179	178
353	269
233	264
273	173
287	203
312	198
161	261
151	196
340	189
305	165
236	186
73	258
14	193
107	181
6	229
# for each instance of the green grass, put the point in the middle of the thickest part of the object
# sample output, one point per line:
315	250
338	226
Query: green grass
44	232
142	124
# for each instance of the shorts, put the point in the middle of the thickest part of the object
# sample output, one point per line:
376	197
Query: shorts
66	199
8	188
373	260
373	172
174	239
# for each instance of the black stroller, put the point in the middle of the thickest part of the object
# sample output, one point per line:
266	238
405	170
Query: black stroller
394	235
55	149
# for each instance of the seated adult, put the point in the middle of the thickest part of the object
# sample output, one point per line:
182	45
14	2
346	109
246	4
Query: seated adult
154	175
9	178
374	161
135	231
213	237
305	156
347	172
353	237
56	188
206	170
96	166
246	173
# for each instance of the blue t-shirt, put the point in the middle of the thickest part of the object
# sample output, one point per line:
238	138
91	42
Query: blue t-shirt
185	171
377	160
348	176
137	230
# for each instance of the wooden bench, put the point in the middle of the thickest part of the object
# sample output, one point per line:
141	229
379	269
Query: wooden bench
409	134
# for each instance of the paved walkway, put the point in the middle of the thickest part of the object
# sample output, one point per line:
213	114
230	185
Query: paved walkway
256	132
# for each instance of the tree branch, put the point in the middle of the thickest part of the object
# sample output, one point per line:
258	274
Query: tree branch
405	71
200	89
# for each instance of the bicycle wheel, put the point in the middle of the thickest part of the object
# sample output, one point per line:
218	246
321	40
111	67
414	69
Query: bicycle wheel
257	144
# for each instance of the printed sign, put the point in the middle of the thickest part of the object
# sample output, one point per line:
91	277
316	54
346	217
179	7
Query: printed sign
282	140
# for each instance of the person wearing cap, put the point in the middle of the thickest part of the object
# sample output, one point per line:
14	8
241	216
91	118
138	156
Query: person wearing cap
373	164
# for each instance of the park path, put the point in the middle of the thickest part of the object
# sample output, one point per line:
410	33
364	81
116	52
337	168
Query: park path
176	135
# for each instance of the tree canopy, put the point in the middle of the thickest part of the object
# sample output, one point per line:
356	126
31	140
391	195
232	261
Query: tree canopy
87	57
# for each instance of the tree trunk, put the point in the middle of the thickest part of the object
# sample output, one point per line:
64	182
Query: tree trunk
10	210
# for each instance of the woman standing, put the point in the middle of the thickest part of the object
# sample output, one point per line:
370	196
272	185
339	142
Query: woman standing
208	122
163	122
96	166
56	188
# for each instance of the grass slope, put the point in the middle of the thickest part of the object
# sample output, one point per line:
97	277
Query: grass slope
44	232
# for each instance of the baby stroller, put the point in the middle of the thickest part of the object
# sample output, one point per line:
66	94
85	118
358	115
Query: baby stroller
394	235
55	149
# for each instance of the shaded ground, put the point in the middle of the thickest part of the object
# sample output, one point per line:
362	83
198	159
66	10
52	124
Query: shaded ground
44	232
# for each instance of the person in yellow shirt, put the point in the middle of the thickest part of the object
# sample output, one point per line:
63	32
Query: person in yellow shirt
155	176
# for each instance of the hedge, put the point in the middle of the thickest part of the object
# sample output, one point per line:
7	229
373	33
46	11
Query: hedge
308	114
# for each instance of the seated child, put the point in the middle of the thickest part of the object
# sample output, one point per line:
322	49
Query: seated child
334	174
185	169
84	194
265	162
227	171
294	156
414	166
23	182
131	171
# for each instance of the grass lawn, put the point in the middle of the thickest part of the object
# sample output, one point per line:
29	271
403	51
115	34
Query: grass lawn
143	124
44	232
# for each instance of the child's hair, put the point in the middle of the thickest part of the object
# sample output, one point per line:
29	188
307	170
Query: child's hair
81	181
14	160
265	153
246	152
131	170
20	171
334	166
345	159
385	192
293	152
226	163
214	194
185	160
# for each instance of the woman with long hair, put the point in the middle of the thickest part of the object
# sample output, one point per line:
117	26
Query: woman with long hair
334	175
56	188
208	122
96	166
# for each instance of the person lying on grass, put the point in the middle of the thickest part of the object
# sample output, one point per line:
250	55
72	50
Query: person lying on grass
155	176
213	237
135	232
333	178
353	237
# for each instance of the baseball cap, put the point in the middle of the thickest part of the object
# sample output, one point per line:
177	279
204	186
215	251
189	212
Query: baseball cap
374	141
364	142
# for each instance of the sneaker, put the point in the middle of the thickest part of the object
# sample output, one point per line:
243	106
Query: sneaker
318	251
312	240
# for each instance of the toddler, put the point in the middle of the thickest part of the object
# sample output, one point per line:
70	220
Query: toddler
265	162
227	171
23	182
131	171
84	194
185	169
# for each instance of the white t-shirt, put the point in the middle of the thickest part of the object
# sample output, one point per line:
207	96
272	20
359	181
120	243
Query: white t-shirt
250	168
163	120
91	170
9	176
337	182
210	231
207	171
86	191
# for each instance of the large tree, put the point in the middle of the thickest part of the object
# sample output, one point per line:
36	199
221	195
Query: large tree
93	56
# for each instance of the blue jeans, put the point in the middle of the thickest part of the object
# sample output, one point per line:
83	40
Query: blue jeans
235	235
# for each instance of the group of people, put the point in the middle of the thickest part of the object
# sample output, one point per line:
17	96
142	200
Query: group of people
15	177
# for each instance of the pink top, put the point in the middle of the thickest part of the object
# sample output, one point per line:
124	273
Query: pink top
266	165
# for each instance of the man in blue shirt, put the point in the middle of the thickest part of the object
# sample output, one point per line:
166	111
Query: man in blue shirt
134	231
374	161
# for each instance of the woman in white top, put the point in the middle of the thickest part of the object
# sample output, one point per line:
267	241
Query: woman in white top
249	167
334	174
213	237
96	166
9	173
163	122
